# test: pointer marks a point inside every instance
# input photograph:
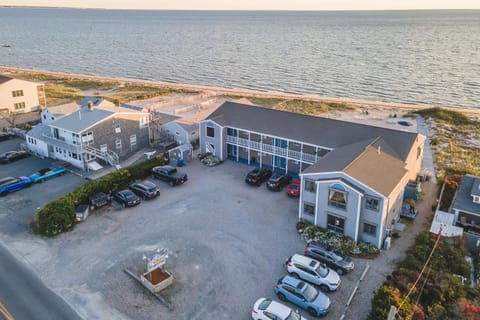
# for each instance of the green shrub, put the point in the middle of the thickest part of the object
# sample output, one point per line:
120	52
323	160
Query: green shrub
59	215
385	297
56	217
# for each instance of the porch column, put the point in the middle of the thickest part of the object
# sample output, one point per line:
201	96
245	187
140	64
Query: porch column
248	149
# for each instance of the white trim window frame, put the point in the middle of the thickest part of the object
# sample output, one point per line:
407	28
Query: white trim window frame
372	203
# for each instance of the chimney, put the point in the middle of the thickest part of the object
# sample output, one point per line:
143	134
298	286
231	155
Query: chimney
379	149
90	105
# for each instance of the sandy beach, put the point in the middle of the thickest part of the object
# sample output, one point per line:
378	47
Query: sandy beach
378	109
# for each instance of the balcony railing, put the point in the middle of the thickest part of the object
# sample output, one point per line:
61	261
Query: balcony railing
274	150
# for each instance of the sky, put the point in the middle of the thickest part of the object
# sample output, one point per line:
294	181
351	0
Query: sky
252	4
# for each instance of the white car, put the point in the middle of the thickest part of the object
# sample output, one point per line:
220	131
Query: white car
266	309
313	271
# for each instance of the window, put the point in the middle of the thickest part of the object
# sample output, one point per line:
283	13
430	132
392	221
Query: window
310	186
372	203
337	196
45	117
370	229
133	140
476	199
19	105
210	132
117	128
309	209
87	138
17	93
75	138
335	223
419	152
103	148
118	143
143	121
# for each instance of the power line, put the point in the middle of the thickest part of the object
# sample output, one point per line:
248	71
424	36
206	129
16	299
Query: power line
421	273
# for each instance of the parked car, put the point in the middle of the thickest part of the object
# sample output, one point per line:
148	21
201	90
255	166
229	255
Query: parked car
98	200
278	181
170	175
293	189
11	156
126	198
331	256
303	295
6	136
266	309
47	173
145	189
313	271
258	176
11	184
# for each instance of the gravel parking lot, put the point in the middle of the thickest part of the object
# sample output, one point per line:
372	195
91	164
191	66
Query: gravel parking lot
227	244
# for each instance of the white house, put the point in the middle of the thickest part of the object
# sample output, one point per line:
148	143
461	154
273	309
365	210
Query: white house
18	96
51	114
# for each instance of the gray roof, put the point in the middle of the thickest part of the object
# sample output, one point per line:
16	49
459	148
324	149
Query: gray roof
38	131
319	131
43	132
463	197
338	159
82	119
476	187
4	79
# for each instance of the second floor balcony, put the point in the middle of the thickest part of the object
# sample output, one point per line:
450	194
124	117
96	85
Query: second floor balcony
274	150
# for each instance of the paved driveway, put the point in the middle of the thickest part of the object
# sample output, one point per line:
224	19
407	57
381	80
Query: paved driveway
227	241
19	207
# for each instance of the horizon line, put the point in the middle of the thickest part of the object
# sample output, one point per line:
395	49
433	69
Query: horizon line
233	10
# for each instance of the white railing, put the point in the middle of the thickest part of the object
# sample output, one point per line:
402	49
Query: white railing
278	151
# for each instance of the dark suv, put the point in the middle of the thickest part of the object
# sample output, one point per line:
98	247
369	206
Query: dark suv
258	176
278	181
330	256
170	175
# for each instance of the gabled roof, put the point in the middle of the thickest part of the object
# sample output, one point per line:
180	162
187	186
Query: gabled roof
318	131
4	79
366	163
82	119
463	198
378	170
338	159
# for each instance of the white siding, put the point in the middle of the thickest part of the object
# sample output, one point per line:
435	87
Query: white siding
29	97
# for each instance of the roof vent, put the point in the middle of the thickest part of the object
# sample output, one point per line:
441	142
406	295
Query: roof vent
90	105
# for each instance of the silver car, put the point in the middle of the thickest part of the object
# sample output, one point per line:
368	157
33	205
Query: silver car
313	271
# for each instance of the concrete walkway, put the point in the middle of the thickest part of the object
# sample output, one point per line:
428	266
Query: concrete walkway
427	162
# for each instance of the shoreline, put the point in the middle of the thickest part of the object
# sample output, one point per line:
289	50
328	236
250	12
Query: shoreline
359	103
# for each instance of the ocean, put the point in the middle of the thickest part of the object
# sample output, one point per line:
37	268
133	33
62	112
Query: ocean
418	57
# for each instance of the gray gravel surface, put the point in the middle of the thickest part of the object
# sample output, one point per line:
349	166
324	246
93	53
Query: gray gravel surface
227	242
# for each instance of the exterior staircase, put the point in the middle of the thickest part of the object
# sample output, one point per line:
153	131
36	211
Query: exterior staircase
108	156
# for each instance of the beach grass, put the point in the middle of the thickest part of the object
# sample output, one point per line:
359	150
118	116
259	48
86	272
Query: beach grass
307	107
455	141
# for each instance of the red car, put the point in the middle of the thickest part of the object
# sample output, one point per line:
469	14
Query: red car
293	189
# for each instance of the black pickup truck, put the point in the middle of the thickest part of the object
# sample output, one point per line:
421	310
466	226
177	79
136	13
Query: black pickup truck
169	174
98	200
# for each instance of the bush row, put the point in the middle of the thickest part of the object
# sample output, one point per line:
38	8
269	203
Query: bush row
59	215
